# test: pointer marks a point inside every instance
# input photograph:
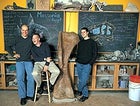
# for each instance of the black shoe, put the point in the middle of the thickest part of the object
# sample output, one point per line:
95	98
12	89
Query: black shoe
42	87
83	98
23	101
30	98
51	87
40	91
45	91
78	93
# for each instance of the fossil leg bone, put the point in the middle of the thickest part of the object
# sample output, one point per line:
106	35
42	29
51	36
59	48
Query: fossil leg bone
66	42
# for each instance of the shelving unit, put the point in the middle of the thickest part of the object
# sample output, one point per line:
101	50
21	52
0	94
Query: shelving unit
8	71
113	76
104	75
123	73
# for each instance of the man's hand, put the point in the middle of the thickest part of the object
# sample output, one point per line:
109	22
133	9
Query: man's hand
48	59
46	68
17	56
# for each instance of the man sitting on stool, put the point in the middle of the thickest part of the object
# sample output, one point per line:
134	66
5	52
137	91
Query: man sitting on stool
43	62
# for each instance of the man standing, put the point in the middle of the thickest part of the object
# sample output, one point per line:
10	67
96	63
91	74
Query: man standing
24	66
43	62
86	56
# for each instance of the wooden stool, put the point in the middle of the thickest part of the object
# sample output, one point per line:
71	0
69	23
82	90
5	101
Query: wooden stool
48	88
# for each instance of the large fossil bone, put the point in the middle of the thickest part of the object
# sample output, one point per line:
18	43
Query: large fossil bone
66	42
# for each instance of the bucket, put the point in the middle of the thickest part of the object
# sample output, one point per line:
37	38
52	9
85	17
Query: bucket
134	88
135	78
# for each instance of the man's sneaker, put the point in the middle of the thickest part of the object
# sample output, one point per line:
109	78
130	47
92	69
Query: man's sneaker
77	93
43	87
23	101
83	98
45	91
30	98
51	87
40	91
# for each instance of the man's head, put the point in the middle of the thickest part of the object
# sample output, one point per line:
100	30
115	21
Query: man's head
24	31
36	39
84	32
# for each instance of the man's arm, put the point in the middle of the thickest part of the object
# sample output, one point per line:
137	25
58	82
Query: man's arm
48	59
95	52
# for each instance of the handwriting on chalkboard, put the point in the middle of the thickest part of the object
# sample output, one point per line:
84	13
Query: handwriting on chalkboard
55	17
112	31
46	23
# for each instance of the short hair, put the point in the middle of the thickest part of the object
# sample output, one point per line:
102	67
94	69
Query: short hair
25	25
36	34
85	28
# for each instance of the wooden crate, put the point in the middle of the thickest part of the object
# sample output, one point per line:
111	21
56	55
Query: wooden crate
42	4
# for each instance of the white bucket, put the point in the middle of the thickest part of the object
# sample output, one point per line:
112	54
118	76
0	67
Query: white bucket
134	91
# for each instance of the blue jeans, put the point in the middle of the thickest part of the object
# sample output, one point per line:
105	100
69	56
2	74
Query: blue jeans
25	86
83	71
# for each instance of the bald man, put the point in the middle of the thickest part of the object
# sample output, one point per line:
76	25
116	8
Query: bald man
24	65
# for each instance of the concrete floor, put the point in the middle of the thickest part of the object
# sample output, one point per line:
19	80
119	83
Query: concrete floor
96	98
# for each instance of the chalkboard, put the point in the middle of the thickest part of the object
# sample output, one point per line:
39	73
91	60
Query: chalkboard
112	30
46	23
